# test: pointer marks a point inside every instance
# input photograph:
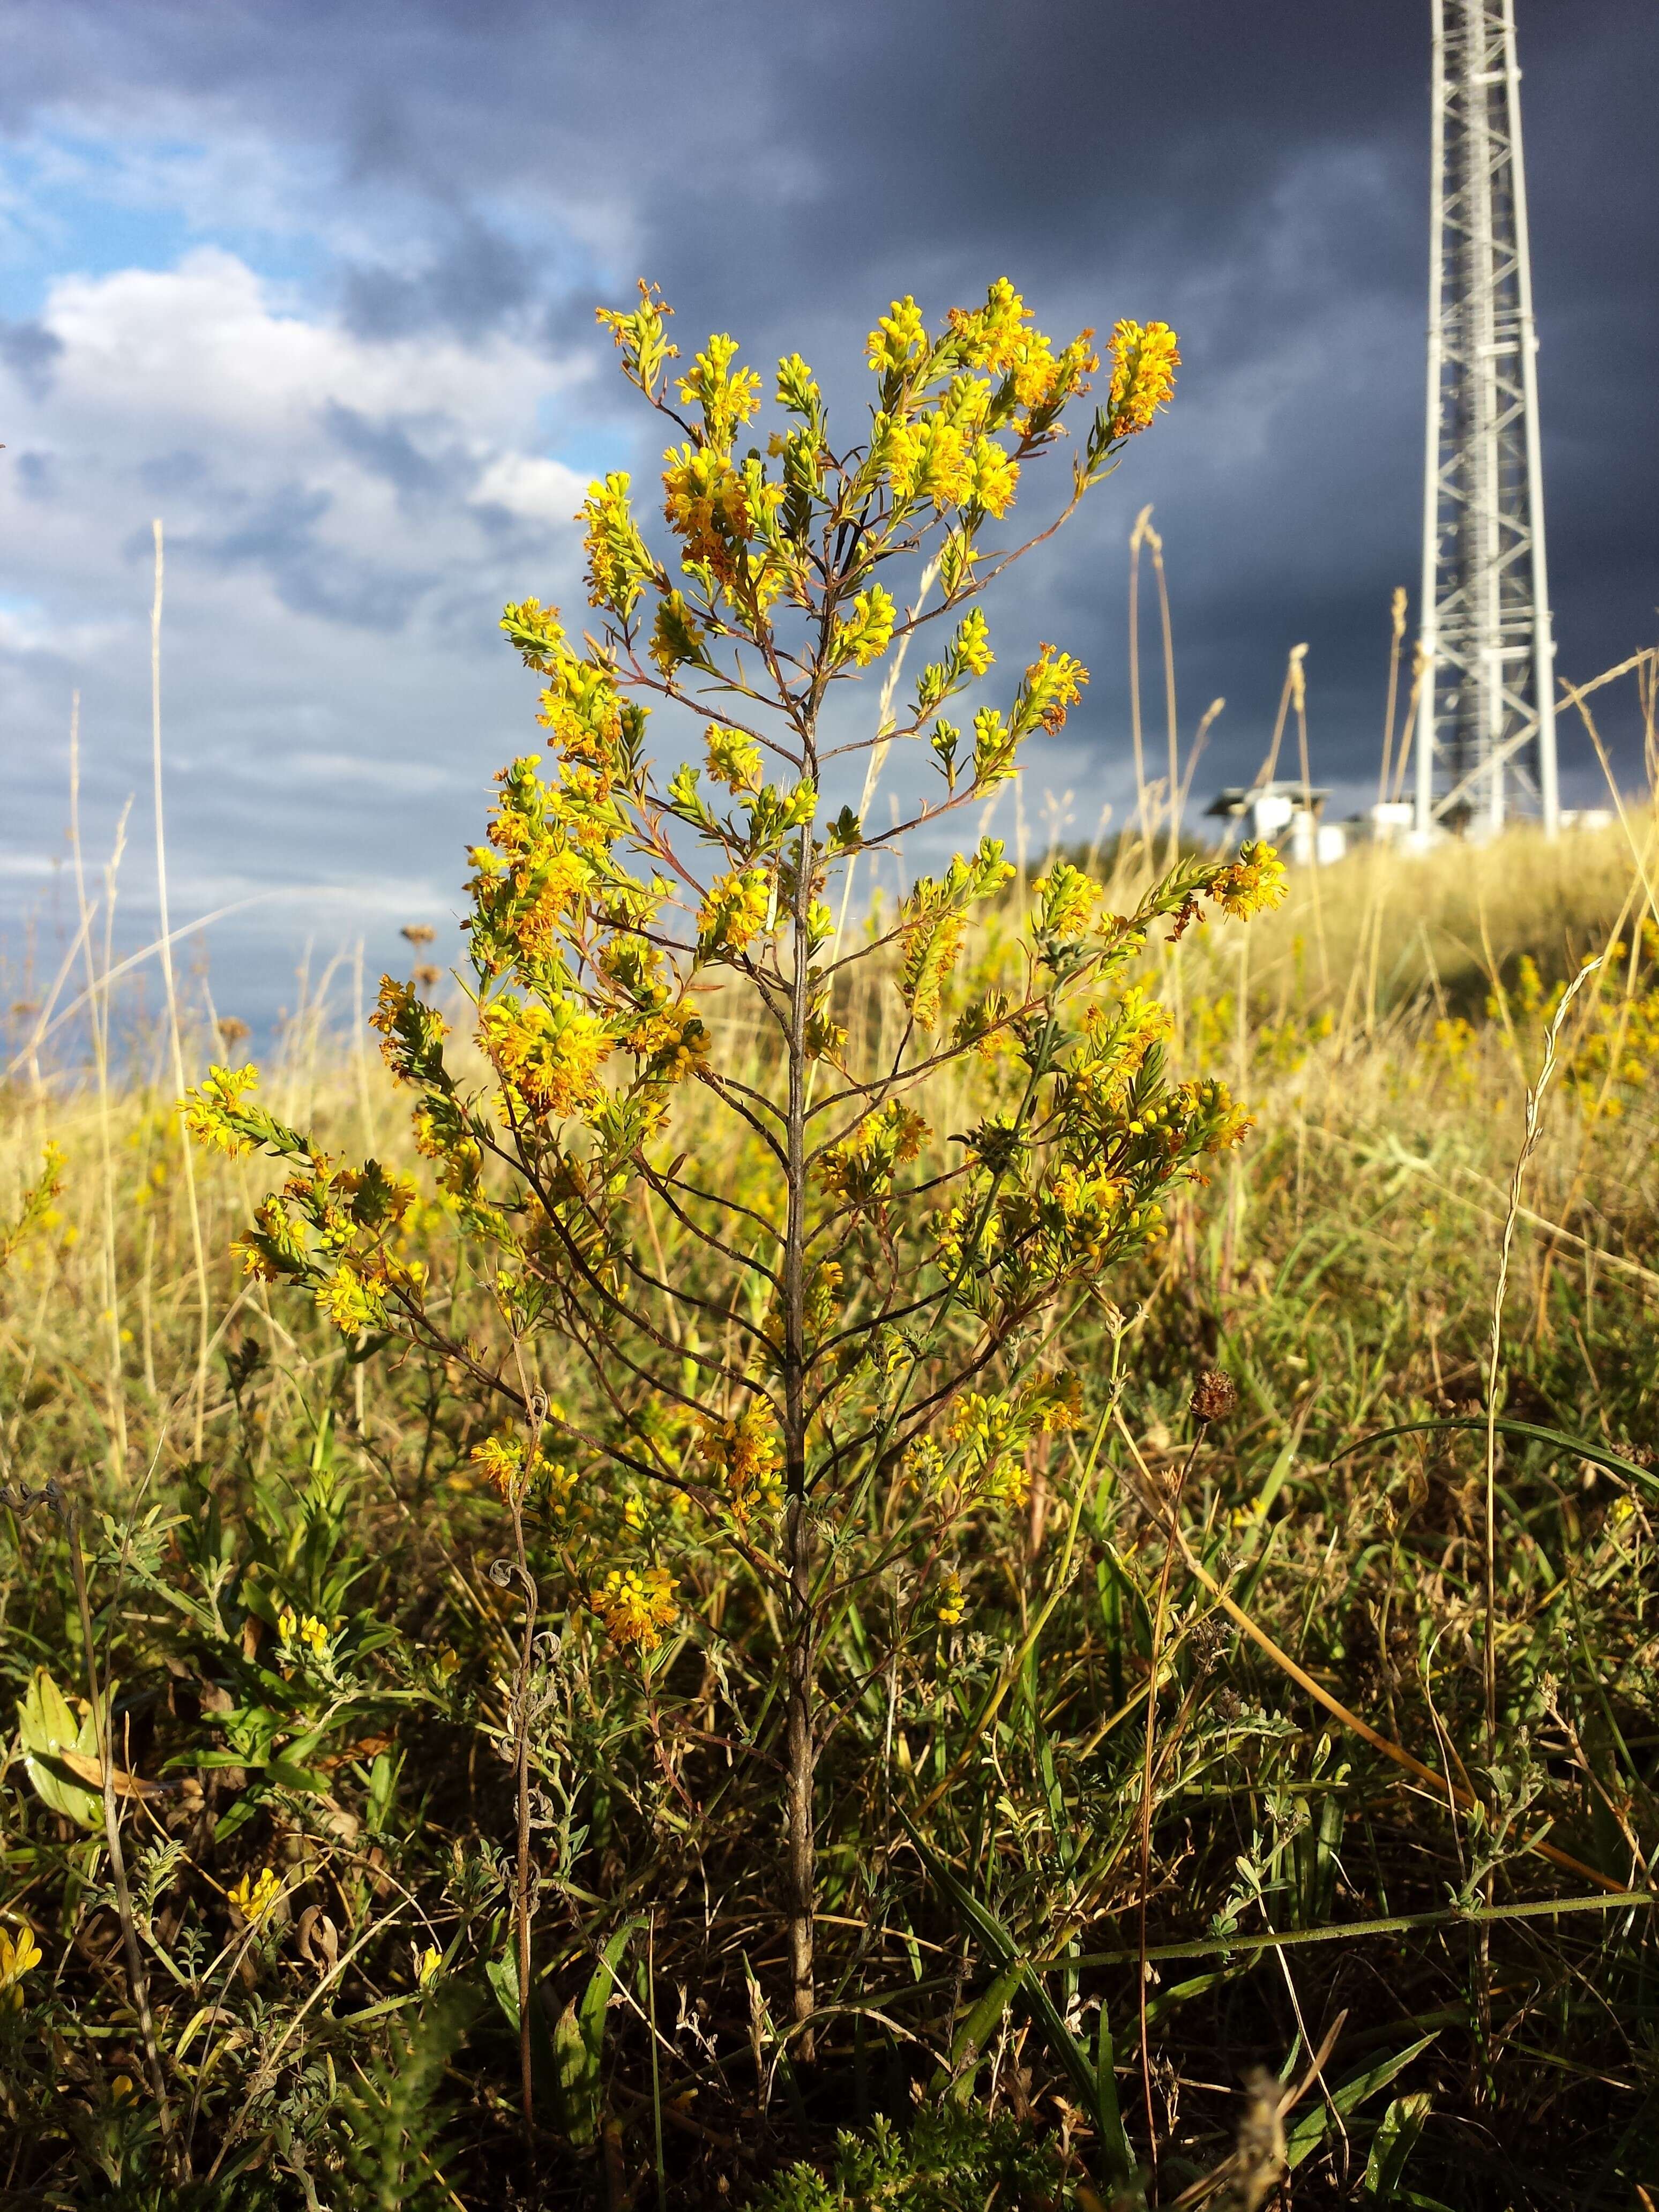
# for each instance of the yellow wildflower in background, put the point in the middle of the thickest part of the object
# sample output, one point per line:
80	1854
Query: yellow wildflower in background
951	1604
254	1898
636	1604
18	1955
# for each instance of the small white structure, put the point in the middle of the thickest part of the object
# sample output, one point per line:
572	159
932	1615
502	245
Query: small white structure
1284	814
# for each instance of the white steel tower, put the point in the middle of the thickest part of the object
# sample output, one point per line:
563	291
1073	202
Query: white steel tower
1486	735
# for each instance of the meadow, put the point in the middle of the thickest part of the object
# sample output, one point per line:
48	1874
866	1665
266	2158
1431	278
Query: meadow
352	2043
1065	1648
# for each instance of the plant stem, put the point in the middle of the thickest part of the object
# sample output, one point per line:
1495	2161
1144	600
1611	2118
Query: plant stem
799	1749
1147	1786
138	1982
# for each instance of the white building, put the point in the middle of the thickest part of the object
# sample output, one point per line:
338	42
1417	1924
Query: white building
1284	814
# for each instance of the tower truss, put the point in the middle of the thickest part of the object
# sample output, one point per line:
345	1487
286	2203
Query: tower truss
1485	736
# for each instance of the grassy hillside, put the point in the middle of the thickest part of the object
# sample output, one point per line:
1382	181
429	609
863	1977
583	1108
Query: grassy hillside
1050	1932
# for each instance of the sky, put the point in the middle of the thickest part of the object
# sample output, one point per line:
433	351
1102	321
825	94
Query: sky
315	286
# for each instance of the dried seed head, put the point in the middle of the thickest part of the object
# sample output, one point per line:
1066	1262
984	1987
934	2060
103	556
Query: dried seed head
1214	1395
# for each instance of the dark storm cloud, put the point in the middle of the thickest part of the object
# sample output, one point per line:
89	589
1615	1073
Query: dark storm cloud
475	281
388	449
1259	176
29	349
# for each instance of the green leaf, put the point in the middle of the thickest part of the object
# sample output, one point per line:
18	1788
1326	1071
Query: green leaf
1393	2145
575	2079
1079	2065
48	1726
1348	2097
502	1975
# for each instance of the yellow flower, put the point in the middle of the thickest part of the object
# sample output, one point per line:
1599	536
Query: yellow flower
734	759
865	635
993	477
706	504
286	1624
951	1604
18	1954
352	1305
253	1900
898	339
312	1632
500	1460
928	458
992	337
550	1054
618	565
1145	358
427	1965
211	1109
747	1455
634	1513
733	912
635	1605
725	399
1255	882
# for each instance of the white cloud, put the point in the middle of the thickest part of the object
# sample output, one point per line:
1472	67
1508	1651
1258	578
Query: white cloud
343	516
544	491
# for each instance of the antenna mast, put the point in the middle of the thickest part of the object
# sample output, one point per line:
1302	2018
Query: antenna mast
1485	739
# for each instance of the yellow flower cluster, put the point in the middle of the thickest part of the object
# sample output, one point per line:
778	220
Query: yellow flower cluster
1255	882
746	1453
38	1210
636	1604
310	1632
671	1042
859	1169
549	1055
734	758
253	1900
207	1108
351	1301
899	339
866	634
986	1431
1065	901
707	504
618	565
951	1604
929	458
725	399
734	912
1000	336
500	1460
19	1953
1145	358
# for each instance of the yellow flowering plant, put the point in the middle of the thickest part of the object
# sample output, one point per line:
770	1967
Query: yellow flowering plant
870	1293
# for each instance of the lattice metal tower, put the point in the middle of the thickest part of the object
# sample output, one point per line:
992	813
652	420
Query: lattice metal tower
1485	736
